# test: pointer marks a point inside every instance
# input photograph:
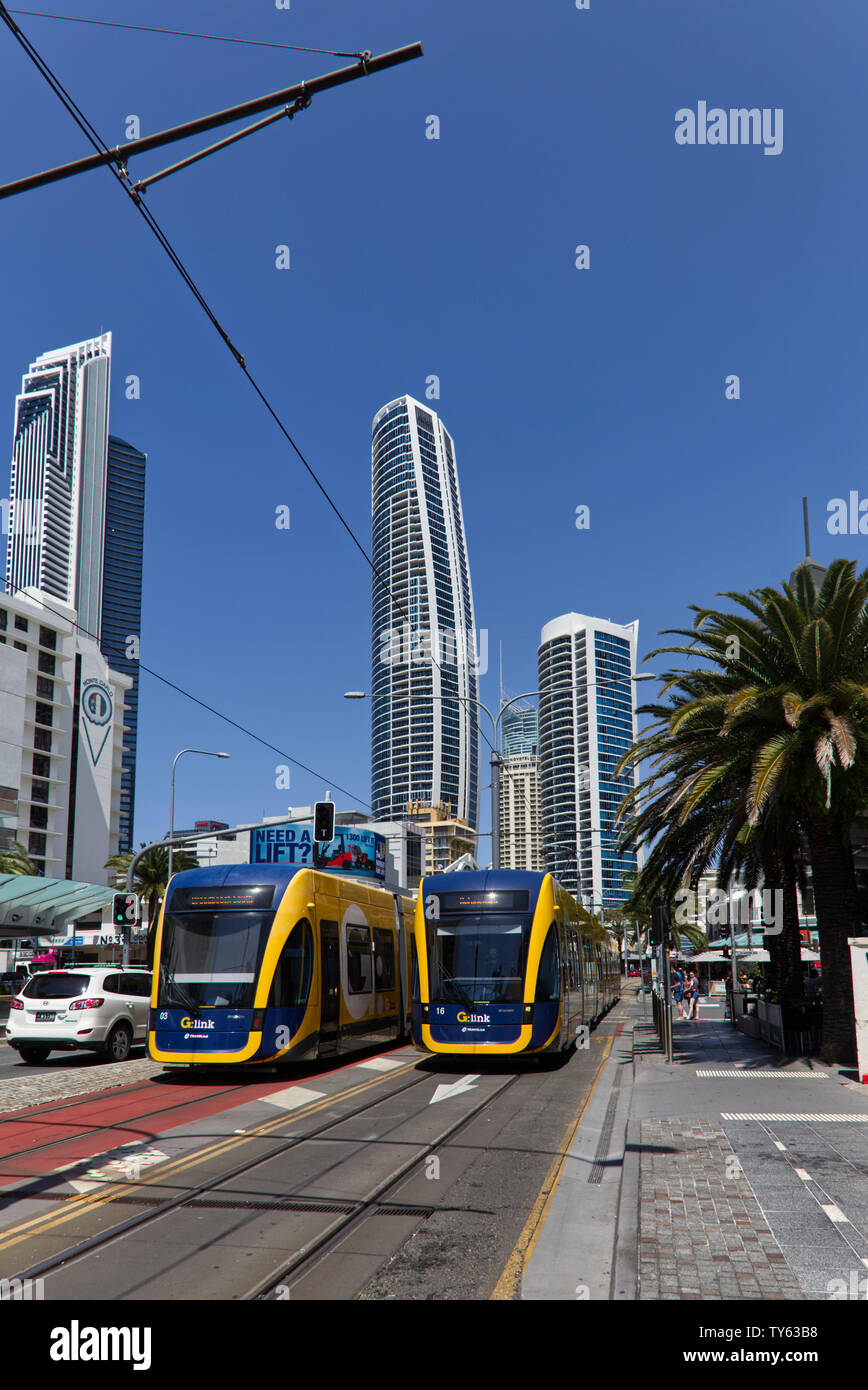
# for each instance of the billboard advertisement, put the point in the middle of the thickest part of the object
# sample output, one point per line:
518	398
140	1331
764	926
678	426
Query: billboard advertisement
356	852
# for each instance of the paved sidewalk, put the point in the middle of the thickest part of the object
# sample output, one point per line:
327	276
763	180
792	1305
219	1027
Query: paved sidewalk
728	1174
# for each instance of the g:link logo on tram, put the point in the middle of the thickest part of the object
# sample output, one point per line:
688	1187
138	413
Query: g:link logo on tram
197	1023
473	1018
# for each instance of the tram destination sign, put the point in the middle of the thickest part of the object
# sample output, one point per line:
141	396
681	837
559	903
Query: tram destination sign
354	852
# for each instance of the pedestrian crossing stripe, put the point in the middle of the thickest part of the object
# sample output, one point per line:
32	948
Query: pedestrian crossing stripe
768	1072
799	1119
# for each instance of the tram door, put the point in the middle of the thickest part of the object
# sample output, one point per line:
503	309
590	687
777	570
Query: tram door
330	986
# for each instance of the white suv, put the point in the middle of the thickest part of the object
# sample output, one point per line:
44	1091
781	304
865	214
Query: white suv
102	1008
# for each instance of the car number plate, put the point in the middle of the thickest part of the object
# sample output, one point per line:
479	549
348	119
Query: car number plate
45	1018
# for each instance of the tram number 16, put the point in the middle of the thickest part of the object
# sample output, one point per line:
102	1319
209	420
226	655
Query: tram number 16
439	1012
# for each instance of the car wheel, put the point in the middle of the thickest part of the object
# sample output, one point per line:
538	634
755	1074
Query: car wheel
33	1054
119	1042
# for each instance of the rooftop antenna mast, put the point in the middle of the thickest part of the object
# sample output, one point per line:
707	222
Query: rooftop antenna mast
807	531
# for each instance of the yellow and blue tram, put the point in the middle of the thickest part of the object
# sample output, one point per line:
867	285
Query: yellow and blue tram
258	963
507	962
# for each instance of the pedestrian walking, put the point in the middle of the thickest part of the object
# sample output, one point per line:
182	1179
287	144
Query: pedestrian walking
691	996
678	991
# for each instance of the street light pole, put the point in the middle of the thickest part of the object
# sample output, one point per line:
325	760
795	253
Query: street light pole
204	752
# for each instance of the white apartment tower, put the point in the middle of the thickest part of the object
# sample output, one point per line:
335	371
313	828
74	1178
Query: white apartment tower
424	660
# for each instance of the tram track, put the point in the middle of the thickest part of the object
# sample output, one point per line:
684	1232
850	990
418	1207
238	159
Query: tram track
207	1194
129	1192
90	1099
271	1289
34	1114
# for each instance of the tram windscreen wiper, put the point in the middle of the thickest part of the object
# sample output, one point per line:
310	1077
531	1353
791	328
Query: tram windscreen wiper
446	978
170	984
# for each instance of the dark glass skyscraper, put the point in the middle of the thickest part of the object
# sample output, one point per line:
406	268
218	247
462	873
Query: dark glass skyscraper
122	599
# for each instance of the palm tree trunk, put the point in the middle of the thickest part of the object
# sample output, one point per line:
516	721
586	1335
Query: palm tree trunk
838	918
784	947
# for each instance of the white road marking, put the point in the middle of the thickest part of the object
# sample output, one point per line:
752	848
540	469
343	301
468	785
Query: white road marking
800	1173
292	1097
767	1072
834	1213
457	1088
380	1064
123	1169
796	1119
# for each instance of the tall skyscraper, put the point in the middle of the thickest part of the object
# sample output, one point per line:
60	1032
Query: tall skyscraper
587	721
57	492
121	622
520	813
425	744
519	732
76	515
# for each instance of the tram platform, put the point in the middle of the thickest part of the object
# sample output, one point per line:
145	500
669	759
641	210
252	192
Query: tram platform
728	1174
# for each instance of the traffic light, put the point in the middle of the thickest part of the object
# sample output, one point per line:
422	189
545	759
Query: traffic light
324	822
727	952
125	909
659	923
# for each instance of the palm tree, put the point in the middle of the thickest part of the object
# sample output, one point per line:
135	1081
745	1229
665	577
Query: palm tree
769	744
14	860
151	879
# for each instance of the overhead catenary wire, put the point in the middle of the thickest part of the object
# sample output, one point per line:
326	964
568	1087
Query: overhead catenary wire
99	144
184	33
188	694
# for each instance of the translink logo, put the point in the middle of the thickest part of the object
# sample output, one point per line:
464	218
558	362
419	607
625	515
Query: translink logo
198	1023
474	1018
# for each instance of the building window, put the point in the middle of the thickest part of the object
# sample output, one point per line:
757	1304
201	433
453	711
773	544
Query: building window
41	766
46	663
39	792
44	714
4	619
20	646
36	843
48	638
42	740
8	801
20	623
44	688
39	817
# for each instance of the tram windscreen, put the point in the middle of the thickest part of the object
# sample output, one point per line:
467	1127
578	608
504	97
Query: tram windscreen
478	957
211	959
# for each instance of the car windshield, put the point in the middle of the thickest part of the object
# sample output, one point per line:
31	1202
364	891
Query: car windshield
478	958
56	986
211	959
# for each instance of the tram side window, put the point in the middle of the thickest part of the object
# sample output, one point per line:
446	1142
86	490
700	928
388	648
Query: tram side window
414	971
384	947
360	972
291	984
548	979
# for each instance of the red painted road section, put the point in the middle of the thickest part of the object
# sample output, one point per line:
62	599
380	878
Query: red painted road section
136	1114
135	1117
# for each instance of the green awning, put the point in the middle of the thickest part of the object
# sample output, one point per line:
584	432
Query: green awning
34	906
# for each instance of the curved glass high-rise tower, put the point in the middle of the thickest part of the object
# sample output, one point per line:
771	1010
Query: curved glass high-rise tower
425	661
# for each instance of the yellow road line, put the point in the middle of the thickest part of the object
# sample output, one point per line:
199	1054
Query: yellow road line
76	1206
509	1284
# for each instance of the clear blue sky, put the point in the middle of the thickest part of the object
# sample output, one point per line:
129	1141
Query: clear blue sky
456	257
